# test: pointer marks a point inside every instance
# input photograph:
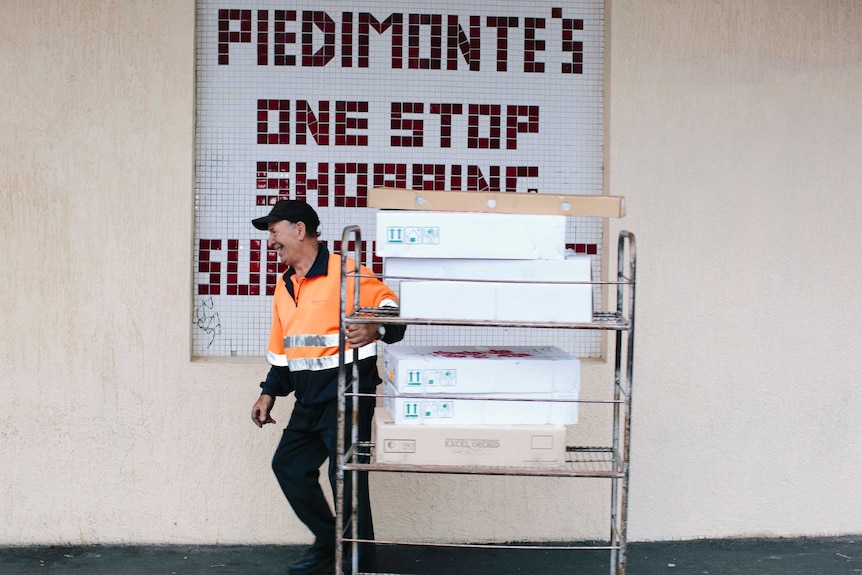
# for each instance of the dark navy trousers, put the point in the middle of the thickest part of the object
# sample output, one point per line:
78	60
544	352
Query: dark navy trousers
310	439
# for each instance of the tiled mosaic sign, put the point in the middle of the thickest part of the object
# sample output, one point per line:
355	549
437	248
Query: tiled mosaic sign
322	101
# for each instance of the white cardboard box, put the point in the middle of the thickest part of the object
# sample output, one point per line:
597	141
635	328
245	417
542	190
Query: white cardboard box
509	445
417	234
495	297
574	268
479	370
496	301
558	408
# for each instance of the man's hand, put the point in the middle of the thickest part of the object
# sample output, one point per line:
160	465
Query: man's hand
359	334
260	411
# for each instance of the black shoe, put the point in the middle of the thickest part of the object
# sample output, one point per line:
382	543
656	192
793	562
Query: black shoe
313	562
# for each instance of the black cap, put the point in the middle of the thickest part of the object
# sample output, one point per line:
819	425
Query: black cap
292	211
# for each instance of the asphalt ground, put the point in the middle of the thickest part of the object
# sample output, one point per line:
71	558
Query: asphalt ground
786	556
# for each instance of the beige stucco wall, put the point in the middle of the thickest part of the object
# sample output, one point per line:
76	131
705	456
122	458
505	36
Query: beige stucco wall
734	129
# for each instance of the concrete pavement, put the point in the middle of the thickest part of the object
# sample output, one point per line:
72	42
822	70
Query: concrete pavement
792	556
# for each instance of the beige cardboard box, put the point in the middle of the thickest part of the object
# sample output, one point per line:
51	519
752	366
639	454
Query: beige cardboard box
480	370
499	202
558	408
506	445
415	234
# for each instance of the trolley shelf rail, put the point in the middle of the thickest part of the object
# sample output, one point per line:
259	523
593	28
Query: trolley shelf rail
609	462
580	462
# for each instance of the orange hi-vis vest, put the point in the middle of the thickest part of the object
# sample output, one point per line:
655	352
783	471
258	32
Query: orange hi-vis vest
305	323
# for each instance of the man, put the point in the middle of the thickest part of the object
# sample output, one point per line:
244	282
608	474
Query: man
303	353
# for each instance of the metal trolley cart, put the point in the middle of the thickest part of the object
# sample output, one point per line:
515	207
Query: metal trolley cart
609	462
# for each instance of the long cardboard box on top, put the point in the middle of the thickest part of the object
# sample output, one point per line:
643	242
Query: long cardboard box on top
504	445
495	297
497	202
558	407
480	370
420	234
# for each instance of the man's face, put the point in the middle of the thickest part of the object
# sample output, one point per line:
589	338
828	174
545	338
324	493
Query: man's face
284	238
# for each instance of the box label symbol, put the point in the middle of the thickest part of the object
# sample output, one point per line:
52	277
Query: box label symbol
395	235
412	236
438	409
414	377
411	410
431	236
400	446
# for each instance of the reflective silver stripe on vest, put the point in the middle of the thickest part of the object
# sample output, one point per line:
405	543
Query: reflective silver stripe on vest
311	340
389	302
277	359
330	361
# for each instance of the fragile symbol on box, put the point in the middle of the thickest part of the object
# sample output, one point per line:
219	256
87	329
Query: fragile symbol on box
440	377
430	235
438	409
